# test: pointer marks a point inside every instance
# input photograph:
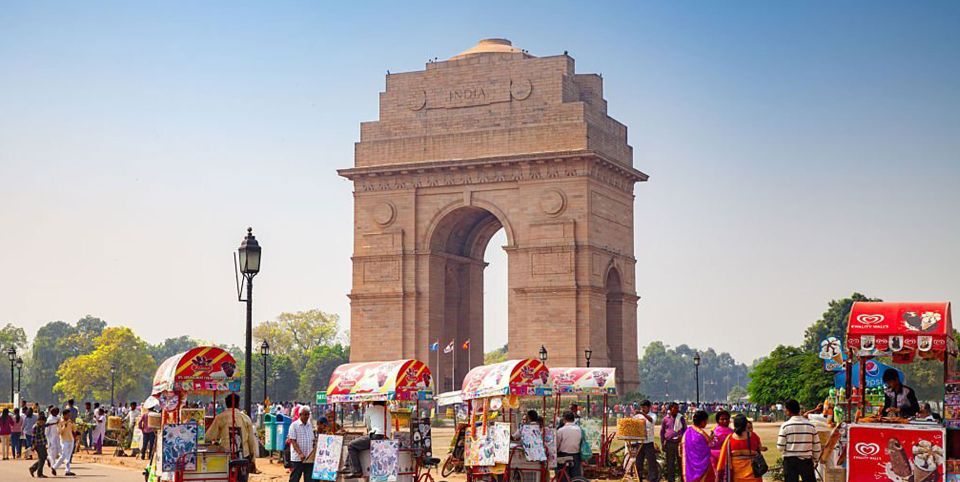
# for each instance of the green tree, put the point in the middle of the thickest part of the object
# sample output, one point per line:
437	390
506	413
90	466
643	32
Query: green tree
173	346
82	340
88	376
46	355
669	373
736	394
295	335
832	322
10	336
316	374
496	356
789	372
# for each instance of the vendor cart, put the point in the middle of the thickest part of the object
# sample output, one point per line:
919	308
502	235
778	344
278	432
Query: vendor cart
879	446
182	453
403	384
598	382
499	387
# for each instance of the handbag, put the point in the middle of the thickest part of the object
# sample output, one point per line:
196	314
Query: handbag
758	463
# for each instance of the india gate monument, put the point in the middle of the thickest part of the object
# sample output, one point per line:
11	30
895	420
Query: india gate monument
494	138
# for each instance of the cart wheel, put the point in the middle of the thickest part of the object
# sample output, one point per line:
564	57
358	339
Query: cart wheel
449	467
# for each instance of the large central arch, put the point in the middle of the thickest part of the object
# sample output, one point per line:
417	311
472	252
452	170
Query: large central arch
458	241
494	138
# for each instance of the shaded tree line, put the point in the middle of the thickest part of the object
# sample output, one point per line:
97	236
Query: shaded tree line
668	373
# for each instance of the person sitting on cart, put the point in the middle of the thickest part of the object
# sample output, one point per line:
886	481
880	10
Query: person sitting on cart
234	421
569	437
898	399
376	419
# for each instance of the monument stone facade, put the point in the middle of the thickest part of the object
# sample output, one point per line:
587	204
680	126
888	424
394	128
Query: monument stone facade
494	138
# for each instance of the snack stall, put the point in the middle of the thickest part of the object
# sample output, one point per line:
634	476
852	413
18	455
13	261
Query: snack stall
402	385
489	452
182	451
883	446
588	381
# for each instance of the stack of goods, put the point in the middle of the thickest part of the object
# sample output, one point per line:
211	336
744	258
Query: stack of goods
114	423
631	427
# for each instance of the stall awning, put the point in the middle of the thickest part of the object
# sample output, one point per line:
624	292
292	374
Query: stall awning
380	381
901	329
514	377
449	398
584	381
204	369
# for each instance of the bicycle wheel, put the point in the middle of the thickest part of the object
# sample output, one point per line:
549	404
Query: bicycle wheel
449	467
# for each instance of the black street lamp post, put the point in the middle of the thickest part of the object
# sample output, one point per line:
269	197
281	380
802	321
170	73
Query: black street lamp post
249	256
588	353
543	354
696	365
12	356
264	353
113	373
19	375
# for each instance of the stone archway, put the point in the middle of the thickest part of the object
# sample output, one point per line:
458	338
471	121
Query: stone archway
492	138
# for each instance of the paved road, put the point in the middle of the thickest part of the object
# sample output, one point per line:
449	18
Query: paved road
16	471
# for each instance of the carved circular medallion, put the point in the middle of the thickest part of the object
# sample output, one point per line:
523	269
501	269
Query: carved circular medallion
520	89
417	100
552	202
384	213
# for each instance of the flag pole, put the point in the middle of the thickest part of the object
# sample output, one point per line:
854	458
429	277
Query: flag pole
453	383
435	386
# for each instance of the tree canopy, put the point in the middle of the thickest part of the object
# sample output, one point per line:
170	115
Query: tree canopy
832	322
296	335
789	372
88	376
669	373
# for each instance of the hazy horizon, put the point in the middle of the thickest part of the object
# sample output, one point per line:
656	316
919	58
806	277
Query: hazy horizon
797	153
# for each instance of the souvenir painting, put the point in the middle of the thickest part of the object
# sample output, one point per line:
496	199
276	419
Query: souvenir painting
326	463
591	427
532	439
501	442
384	455
137	441
179	440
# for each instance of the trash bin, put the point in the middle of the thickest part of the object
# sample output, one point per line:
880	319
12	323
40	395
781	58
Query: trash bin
269	432
282	423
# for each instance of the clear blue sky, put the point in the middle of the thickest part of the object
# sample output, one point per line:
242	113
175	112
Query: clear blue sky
797	151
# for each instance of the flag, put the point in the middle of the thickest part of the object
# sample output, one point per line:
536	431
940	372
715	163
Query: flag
435	346
449	347
466	344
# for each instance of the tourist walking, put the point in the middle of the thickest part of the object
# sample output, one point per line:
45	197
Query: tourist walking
648	448
65	429
53	436
6	424
29	422
39	439
671	431
720	434
301	438
149	437
738	452
16	434
99	429
696	450
799	444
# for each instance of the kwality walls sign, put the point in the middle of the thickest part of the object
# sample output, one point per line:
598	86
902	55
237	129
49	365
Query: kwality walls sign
895	452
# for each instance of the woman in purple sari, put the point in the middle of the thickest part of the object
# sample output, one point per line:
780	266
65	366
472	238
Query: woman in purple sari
697	466
720	434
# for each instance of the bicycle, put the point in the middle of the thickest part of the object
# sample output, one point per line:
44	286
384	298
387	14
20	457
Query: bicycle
565	464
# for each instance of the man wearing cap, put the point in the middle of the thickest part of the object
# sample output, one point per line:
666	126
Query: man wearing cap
301	439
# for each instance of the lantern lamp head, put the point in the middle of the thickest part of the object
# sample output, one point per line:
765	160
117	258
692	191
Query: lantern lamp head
249	253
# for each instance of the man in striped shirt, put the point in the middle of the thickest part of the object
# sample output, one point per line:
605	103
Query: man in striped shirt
799	444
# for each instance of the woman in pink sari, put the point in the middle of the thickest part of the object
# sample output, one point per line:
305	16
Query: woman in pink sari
697	466
720	434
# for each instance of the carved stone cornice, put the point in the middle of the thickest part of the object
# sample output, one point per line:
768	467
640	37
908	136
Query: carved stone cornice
494	170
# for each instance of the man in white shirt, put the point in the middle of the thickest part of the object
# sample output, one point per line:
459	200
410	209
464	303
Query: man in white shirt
648	448
301	437
800	445
53	436
569	437
377	420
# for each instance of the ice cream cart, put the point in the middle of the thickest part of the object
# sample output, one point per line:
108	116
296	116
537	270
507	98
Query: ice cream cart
598	382
183	453
880	446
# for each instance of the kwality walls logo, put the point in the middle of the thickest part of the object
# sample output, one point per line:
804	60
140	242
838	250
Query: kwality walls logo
874	321
868	449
